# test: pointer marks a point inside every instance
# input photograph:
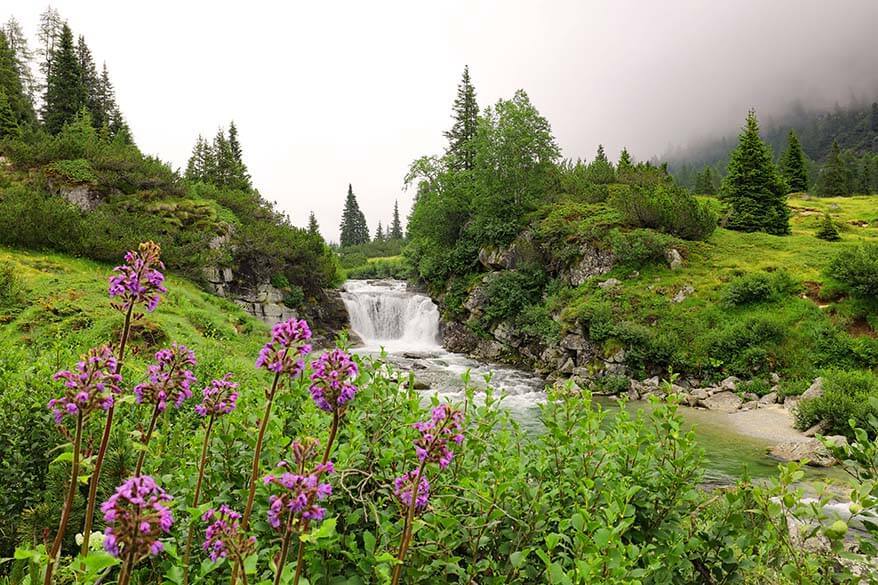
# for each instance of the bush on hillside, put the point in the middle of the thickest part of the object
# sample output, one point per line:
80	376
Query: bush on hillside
640	247
382	268
856	269
510	292
845	398
758	287
667	208
10	286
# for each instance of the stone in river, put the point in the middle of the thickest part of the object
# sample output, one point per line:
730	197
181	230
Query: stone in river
723	402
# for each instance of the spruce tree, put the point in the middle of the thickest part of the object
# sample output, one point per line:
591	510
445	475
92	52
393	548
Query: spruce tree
65	91
91	82
600	170
8	123
793	165
395	232
624	161
834	179
379	233
705	183
353	223
48	38
601	155
753	188
313	227
17	41
240	176
827	230
465	111
11	85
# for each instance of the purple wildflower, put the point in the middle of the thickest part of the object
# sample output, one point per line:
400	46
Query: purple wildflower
168	378
220	397
136	516
444	424
223	535
404	485
93	384
282	355
331	386
139	280
299	492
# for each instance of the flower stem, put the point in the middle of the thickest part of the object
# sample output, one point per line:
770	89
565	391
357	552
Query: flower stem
105	440
195	498
257	455
407	529
127	567
300	555
142	457
284	549
68	504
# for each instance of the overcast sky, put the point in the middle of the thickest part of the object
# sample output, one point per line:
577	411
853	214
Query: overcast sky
330	93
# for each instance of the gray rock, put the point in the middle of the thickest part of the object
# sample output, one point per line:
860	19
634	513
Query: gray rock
699	394
723	402
633	393
610	283
683	293
690	400
420	385
750	397
82	196
593	262
774	377
574	342
675	261
505	333
770	398
808	449
818	429
730	383
814	390
750	405
652	382
567	367
617	358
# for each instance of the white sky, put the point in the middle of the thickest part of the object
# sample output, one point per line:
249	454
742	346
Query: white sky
330	93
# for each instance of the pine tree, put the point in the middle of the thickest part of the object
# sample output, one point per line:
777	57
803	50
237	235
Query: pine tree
11	85
240	175
601	155
624	161
379	233
395	232
49	36
91	82
65	91
834	179
793	165
353	223
105	100
753	187
17	41
465	112
234	144
313	228
705	183
827	230
600	170
8	122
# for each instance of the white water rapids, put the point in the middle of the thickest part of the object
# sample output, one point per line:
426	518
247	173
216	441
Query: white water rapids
405	324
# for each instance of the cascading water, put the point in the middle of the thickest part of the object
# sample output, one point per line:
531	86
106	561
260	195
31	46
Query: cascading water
384	313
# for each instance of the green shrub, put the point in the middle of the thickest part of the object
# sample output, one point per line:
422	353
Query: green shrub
640	247
857	270
294	297
611	384
758	386
747	347
845	398
758	287
78	170
510	292
666	208
10	286
396	268
536	321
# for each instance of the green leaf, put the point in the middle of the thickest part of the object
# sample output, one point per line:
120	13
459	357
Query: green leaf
369	542
602	537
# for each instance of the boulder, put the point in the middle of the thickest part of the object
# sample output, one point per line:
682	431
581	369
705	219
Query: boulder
494	258
723	402
675	261
652	382
610	283
520	252
809	449
458	338
770	398
593	261
750	397
574	342
683	293
730	384
818	429
814	390
750	405
774	377
633	393
690	400
505	333
699	393
567	367
420	385
82	196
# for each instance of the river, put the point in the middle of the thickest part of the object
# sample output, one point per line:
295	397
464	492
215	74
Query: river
405	326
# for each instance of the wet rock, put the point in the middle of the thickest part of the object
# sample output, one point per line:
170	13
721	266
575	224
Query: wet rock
683	293
568	366
610	283
690	400
770	398
814	390
506	334
809	449
420	385
723	402
418	355
675	261
633	394
593	262
458	338
818	429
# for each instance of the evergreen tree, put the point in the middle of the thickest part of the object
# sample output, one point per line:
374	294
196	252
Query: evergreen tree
465	113
601	155
313	227
353	223
624	161
793	165
65	91
873	118
49	36
240	176
827	230
91	82
705	182
17	41
753	187
600	170
196	168
395	231
379	233
834	179
10	83
8	122
234	144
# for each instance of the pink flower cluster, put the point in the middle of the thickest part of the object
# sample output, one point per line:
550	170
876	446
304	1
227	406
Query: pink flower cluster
331	385
139	280
224	536
219	397
169	379
404	486
444	424
282	355
299	494
136	516
92	385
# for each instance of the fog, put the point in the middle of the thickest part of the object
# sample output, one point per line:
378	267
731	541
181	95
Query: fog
330	93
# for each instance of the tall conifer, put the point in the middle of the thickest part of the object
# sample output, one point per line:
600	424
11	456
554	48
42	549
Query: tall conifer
753	187
465	112
834	179
313	227
395	232
65	91
353	223
793	165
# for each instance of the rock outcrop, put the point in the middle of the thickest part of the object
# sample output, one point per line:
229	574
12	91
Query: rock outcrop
809	449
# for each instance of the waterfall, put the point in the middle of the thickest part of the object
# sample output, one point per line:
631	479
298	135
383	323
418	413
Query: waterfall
384	312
